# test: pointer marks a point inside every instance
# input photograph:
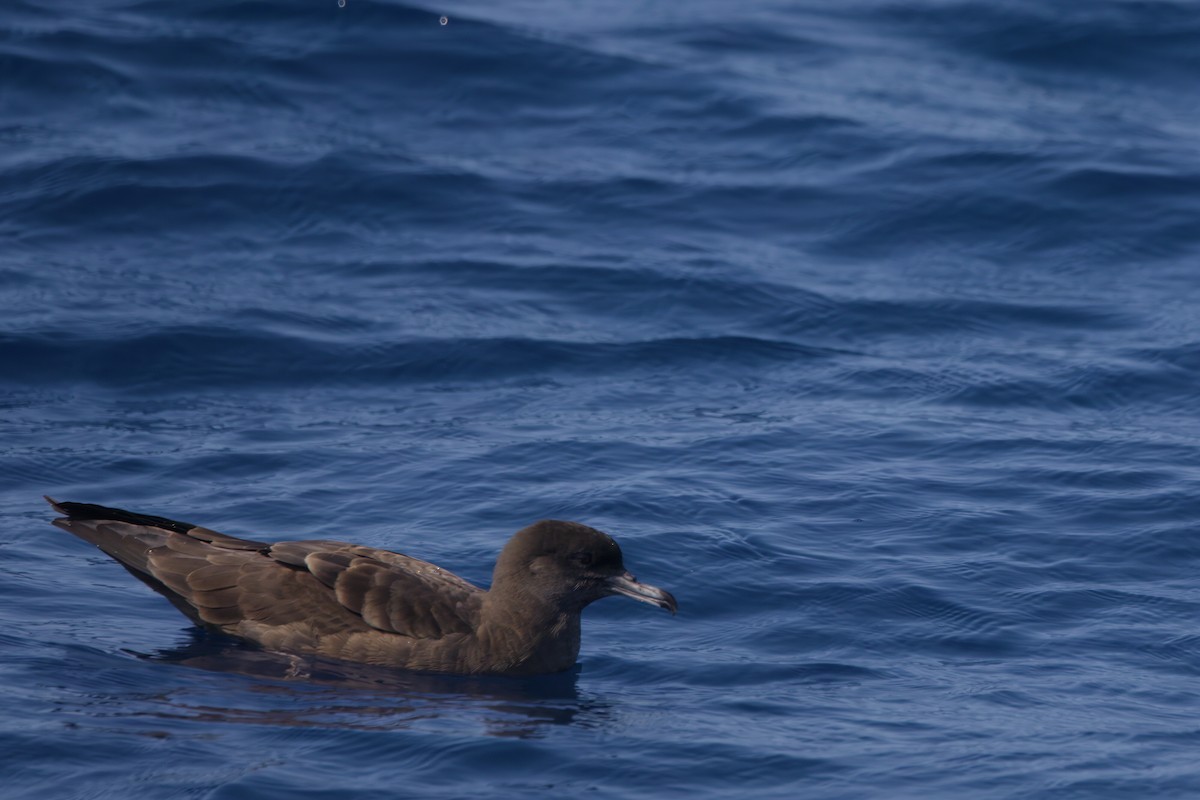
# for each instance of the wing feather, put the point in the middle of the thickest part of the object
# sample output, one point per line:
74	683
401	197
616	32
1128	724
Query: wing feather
229	597
214	576
390	591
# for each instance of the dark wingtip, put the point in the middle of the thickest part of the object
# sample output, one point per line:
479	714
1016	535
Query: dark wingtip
668	602
89	511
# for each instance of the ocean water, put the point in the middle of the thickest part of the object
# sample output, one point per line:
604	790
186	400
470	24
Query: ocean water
870	329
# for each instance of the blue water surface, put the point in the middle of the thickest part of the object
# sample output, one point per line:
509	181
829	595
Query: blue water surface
870	329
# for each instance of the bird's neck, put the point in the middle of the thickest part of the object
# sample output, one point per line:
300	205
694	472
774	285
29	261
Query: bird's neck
527	635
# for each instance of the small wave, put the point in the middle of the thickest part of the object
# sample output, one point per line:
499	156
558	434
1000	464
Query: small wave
192	358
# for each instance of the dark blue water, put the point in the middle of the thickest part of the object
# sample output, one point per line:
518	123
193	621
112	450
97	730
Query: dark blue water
870	329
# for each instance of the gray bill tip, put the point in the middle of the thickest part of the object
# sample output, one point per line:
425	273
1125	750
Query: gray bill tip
629	586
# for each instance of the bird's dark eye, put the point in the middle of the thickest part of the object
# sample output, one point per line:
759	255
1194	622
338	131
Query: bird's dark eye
583	558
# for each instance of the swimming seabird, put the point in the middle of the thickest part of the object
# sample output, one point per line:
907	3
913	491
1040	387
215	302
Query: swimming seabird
374	606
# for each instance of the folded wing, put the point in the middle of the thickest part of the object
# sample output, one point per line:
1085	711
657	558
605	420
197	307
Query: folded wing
303	590
390	591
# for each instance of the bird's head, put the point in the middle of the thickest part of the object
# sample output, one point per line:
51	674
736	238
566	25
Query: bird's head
571	565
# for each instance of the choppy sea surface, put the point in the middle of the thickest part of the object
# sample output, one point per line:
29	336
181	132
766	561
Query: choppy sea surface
870	329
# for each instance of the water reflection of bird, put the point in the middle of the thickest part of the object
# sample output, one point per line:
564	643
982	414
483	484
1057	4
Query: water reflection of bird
352	696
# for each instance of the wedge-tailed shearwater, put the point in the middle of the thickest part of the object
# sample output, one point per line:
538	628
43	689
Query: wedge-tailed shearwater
374	606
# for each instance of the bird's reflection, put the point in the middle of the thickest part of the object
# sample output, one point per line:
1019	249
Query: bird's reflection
304	691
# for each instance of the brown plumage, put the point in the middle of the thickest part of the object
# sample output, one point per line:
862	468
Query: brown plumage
374	606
